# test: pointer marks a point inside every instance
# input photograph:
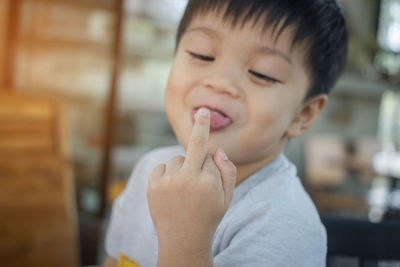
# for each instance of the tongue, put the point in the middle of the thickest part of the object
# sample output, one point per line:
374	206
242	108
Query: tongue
218	121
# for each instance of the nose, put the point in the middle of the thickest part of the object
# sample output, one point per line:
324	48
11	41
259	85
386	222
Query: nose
223	80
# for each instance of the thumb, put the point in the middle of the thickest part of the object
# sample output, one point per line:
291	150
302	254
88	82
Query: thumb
228	174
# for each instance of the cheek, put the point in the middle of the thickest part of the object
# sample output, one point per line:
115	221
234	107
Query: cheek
173	94
179	82
266	125
176	112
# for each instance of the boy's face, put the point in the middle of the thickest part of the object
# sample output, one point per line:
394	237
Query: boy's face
254	87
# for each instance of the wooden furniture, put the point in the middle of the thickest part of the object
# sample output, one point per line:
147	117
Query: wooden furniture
4	13
368	242
63	46
328	202
38	225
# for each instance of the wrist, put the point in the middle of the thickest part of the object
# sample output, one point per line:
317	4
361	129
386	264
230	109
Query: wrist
189	239
183	255
187	245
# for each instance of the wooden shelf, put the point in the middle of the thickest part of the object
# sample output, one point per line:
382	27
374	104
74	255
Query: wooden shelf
37	196
54	43
89	4
141	52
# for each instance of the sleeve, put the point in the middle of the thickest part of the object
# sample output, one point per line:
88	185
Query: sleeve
114	232
265	242
117	224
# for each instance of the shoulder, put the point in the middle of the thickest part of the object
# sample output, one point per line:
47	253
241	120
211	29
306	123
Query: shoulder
276	234
287	198
283	191
279	206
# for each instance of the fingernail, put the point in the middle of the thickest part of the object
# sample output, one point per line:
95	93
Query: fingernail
203	112
222	154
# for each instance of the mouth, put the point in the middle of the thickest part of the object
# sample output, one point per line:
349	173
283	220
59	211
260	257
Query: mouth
218	119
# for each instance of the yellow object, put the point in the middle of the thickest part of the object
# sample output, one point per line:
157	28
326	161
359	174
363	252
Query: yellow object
115	189
125	261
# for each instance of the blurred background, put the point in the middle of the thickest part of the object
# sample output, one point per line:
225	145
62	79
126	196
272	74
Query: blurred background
81	99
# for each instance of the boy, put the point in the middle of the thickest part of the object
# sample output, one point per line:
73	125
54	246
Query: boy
247	76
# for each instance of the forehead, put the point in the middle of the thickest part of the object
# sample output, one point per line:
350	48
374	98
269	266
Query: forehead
262	20
250	33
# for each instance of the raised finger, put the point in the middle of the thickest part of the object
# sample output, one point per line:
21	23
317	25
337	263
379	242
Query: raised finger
197	147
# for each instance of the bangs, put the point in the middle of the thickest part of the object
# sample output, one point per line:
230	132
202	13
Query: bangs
269	14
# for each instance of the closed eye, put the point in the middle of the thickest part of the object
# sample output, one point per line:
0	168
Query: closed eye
201	57
263	77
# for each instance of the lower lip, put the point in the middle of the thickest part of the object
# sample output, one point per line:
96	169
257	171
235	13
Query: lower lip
212	129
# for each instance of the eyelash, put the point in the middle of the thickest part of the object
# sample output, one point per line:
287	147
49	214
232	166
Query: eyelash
252	72
263	77
201	57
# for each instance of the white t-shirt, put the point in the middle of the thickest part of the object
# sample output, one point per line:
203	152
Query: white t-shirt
271	220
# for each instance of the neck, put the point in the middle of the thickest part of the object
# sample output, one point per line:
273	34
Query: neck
245	170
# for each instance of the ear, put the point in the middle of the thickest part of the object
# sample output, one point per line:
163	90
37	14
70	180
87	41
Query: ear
306	116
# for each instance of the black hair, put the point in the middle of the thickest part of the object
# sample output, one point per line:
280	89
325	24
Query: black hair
319	22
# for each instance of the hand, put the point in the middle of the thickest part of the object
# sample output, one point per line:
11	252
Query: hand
189	196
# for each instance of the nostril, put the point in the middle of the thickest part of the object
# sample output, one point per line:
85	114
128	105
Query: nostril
222	86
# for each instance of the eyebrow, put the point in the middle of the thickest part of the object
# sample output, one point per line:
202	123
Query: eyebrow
269	50
262	49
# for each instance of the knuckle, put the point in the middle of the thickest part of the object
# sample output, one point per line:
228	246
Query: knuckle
231	170
181	158
177	159
157	171
152	184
